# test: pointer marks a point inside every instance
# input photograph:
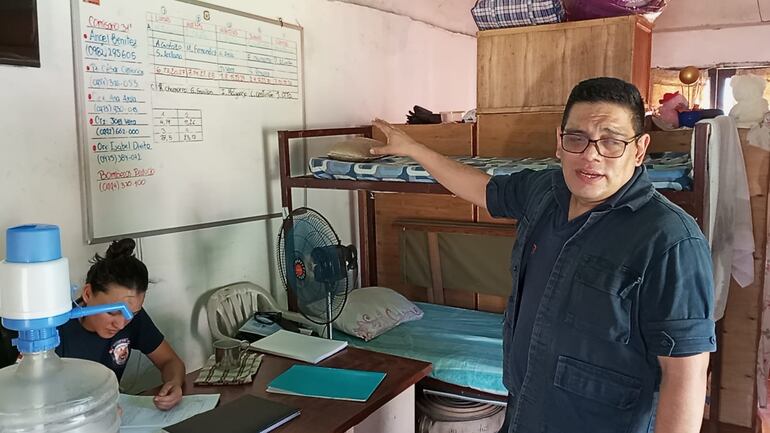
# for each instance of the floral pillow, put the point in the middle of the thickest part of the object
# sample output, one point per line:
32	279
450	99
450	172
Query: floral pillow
371	311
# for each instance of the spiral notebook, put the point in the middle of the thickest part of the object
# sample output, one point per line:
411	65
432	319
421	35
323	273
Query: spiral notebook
324	382
298	346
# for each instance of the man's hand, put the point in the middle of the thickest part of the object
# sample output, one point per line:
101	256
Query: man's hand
170	395
399	143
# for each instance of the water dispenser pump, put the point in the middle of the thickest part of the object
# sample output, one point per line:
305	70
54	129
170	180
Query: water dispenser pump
44	393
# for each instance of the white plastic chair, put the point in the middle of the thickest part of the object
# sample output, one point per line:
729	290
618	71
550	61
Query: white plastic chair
230	306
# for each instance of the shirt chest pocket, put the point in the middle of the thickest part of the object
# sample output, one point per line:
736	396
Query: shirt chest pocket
601	299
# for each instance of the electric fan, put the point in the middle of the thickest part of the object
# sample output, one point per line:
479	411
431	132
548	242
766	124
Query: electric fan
315	266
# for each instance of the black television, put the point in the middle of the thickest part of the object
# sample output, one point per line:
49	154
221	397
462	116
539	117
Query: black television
19	42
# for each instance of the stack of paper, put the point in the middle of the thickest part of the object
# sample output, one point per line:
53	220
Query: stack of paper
141	415
298	346
323	382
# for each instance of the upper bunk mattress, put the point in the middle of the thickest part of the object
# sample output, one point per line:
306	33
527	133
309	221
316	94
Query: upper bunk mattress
670	170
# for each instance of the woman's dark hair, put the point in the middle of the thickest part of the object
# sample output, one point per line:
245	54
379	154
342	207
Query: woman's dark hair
118	266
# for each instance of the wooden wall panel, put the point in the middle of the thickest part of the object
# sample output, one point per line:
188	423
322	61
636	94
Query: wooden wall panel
518	135
758	162
483	216
534	68
642	60
740	334
460	298
390	207
670	141
493	304
454	139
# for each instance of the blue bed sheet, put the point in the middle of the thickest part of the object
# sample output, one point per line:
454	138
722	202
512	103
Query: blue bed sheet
464	346
668	170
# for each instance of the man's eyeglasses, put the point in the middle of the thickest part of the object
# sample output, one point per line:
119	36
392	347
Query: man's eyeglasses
607	147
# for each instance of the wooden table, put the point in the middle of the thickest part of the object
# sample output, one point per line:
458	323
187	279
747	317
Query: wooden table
389	409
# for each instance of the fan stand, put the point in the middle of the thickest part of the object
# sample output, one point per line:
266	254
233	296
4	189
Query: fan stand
328	314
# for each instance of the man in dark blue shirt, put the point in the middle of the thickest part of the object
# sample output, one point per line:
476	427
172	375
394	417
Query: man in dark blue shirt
609	323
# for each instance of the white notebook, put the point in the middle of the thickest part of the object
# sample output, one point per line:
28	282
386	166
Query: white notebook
298	346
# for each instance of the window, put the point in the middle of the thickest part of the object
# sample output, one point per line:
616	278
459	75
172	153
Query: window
723	76
667	81
18	33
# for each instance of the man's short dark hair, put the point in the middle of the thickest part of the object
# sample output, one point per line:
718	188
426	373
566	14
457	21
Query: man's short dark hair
612	90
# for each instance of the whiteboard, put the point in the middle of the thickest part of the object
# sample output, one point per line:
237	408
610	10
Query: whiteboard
178	106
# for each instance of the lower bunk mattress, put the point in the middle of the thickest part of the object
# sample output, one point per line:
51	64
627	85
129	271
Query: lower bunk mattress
464	346
668	170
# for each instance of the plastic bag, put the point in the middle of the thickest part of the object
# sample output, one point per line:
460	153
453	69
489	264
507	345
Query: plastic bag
589	9
496	14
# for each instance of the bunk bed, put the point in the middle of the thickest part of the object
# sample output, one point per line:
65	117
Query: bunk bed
691	147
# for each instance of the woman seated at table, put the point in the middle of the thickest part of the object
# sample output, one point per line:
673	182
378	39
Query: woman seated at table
108	338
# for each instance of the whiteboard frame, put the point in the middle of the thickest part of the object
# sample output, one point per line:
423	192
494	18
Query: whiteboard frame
85	181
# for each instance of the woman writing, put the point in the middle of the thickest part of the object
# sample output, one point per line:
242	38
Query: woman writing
108	338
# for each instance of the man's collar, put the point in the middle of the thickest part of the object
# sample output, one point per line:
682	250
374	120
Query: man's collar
634	193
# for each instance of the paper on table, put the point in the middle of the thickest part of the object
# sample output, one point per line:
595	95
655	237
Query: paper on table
141	415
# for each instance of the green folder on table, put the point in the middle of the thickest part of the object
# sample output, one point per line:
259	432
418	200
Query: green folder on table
324	382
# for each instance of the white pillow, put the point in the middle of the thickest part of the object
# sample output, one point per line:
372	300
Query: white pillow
371	311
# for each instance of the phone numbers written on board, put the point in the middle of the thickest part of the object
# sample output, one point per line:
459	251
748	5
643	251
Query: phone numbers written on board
110	53
117	180
117	158
118	185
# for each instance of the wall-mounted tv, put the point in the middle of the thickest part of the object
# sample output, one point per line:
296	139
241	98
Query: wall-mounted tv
19	44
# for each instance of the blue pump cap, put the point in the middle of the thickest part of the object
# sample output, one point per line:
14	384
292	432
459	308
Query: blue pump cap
38	335
32	243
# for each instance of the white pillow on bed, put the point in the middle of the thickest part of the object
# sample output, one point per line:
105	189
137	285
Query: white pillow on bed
371	311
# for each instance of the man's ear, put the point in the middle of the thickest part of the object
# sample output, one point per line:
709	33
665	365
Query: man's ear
558	142
642	143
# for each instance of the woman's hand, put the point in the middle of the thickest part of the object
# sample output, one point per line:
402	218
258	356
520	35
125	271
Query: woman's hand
170	395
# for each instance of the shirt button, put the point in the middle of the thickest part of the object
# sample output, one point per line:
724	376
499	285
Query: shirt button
712	339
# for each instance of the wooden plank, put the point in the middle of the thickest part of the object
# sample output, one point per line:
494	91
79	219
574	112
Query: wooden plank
742	373
522	109
670	141
535	135
757	162
538	66
454	139
737	408
460	299
758	224
569	25
491	303
518	135
742	315
483	216
390	207
436	291
436	226
641	59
